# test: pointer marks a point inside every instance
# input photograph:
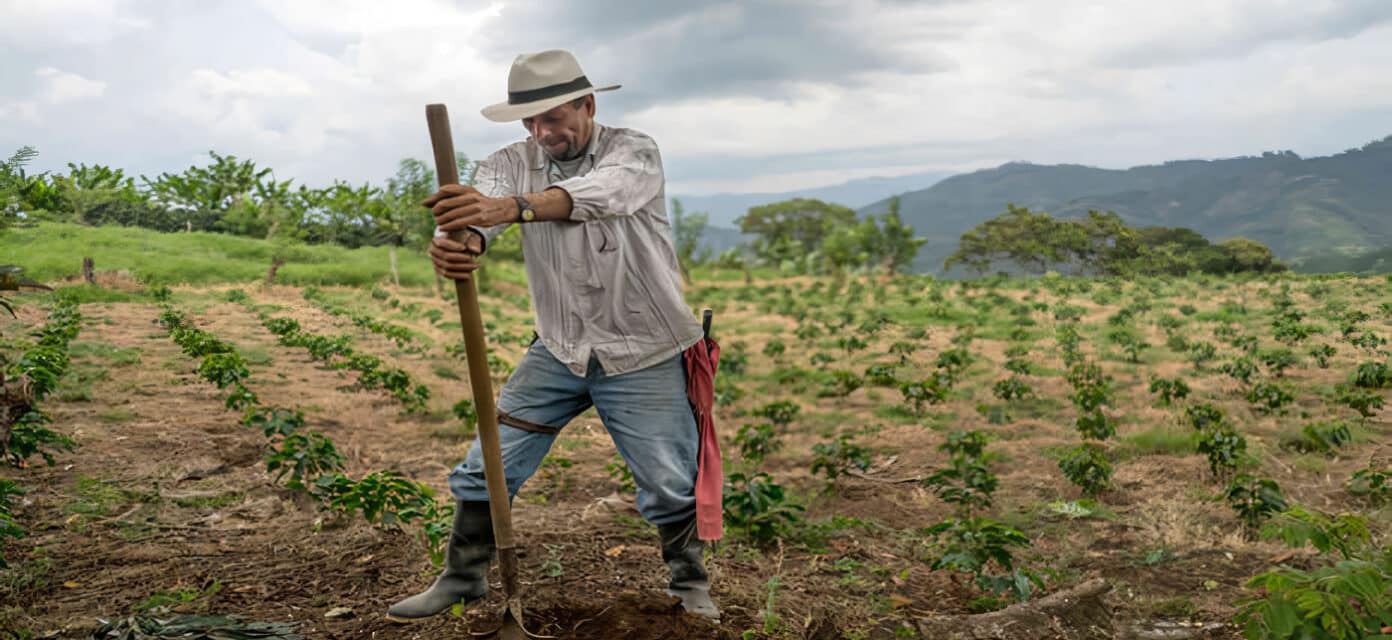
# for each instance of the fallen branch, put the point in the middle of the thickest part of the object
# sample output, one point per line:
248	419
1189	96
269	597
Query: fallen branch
1079	613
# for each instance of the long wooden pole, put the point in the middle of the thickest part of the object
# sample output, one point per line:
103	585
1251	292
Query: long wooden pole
476	350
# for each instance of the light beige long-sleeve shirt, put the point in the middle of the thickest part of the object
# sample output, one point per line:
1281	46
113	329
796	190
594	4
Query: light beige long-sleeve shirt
606	281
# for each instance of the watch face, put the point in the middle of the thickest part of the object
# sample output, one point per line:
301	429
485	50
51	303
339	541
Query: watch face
528	215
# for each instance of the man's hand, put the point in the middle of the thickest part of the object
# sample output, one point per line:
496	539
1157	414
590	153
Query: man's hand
457	206
454	260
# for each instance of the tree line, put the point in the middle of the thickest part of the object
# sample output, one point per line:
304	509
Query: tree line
1102	244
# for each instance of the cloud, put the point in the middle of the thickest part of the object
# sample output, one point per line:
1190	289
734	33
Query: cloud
739	95
672	51
62	86
48	23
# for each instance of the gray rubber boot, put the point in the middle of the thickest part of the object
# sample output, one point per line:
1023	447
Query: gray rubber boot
465	576
684	554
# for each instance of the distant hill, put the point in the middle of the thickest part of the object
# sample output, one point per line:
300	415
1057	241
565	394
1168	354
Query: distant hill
1306	209
724	208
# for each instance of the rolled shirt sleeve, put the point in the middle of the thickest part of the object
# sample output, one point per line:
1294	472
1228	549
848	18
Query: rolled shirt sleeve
622	182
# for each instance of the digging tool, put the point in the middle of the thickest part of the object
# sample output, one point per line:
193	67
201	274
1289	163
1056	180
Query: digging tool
476	350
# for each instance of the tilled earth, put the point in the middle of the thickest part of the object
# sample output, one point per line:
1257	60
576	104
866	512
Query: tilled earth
166	502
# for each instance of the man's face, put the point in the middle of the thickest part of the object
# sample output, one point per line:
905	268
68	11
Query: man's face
563	131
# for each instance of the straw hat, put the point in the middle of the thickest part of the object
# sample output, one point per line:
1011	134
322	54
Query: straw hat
540	82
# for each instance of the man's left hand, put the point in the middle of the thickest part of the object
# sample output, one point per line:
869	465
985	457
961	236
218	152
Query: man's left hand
457	206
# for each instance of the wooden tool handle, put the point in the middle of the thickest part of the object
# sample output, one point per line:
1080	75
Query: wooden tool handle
475	346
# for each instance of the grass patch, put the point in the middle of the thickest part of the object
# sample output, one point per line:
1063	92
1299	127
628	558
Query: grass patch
105	351
46	250
445	372
256	355
176	597
117	415
95	498
89	293
1158	441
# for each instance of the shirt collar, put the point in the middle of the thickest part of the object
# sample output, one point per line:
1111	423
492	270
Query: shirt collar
539	158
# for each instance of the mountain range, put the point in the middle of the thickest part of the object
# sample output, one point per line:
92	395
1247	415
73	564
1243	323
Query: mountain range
1303	208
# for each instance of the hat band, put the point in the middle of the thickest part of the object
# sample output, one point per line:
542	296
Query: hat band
534	95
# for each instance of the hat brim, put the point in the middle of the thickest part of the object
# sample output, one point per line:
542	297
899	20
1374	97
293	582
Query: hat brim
506	112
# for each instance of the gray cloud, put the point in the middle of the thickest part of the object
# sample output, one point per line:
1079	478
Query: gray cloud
670	51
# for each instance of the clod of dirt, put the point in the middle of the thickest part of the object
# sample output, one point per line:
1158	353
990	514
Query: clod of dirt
627	616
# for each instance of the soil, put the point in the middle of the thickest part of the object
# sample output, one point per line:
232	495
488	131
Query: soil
167	495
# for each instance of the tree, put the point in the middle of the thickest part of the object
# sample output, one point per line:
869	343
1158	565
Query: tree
687	230
900	244
1031	240
792	230
404	222
202	195
1244	254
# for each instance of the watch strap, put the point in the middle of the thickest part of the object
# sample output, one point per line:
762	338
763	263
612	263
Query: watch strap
523	207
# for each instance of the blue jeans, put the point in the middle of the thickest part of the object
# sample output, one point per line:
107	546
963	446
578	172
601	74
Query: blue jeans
646	413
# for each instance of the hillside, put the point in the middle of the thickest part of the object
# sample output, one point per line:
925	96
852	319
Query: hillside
724	208
1304	208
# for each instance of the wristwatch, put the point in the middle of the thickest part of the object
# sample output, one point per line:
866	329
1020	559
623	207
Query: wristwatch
525	213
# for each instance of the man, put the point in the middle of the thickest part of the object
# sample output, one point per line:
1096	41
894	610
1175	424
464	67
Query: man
611	322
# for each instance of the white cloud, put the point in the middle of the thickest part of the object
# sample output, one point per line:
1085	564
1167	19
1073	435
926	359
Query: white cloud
46	23
323	89
62	86
260	83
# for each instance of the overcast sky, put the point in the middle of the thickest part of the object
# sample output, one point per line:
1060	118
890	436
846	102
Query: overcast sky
741	96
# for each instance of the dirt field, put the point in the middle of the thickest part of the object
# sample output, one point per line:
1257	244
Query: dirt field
166	501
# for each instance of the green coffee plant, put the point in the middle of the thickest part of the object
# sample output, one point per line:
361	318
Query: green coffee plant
1322	353
274	421
924	392
1278	360
1372	375
1201	352
1247	344
1087	466
759	507
881	375
618	470
9	527
841	384
1241	369
757	441
1322	437
223	369
1269	396
305	457
465	411
1255	500
1367	340
1130	343
1346	600
774	348
836	457
383	497
1169	390
953	362
967	483
1373	483
1296	526
1203	416
781	413
904	350
1012	388
1224	447
240	397
974	545
1365	401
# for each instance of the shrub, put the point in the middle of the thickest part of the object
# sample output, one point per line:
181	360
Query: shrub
1087	467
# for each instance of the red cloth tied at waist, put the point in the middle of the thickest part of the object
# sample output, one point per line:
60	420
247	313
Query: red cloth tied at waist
702	360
